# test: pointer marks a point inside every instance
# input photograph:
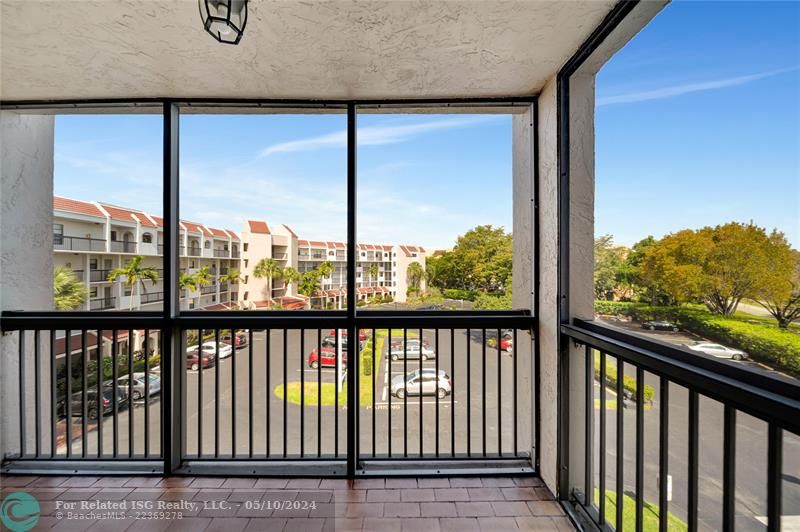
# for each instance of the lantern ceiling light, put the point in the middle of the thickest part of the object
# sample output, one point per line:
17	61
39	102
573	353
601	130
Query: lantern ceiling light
224	19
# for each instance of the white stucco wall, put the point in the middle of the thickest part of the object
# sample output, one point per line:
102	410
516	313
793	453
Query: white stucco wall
26	243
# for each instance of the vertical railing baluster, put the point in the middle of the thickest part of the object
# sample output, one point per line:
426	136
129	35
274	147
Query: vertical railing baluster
319	392
100	375
37	393
514	360
68	389
663	454
114	402
373	339
639	449
285	389
389	394
267	371
233	393
146	393
499	397
588	444
694	438
469	394
421	392
453	392
436	350
774	478
200	358
217	371
729	469
302	395
336	392
601	501
130	394
23	410
53	395
619	500
84	394
405	391
250	393
483	391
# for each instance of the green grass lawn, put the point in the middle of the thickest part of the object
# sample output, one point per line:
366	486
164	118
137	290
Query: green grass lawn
650	513
310	392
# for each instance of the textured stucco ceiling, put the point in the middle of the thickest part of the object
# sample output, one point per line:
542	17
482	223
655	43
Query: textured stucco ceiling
79	49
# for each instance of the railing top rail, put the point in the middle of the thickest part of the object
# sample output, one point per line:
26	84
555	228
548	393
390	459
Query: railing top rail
768	398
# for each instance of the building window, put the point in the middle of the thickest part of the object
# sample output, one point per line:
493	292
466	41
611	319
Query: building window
113	235
92	264
93	292
225	247
58	234
147	238
244	246
127	291
191	304
246	278
245	295
207	244
213	299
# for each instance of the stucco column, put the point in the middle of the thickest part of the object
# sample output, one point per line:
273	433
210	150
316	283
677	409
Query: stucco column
26	255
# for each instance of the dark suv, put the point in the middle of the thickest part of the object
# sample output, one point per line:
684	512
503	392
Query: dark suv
92	408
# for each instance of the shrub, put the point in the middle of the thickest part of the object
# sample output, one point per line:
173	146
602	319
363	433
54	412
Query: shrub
628	381
455	293
493	301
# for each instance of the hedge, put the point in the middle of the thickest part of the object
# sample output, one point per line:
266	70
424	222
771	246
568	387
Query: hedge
778	348
628	381
455	293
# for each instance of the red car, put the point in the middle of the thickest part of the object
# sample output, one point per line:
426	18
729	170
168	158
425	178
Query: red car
507	344
241	340
362	334
193	361
328	358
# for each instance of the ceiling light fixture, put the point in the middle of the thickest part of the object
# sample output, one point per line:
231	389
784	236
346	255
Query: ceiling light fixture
224	19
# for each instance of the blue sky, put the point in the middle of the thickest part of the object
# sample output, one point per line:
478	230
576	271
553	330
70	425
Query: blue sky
698	122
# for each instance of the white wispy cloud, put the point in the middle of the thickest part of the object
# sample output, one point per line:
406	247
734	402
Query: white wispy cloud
373	135
686	88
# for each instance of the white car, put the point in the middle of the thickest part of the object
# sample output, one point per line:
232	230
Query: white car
412	350
426	384
210	349
718	350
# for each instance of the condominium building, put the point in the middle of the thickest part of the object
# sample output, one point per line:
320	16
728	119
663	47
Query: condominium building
93	238
382	270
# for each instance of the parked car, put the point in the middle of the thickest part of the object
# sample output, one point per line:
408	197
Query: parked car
327	359
241	340
92	407
210	348
138	385
718	350
660	325
330	341
425	383
506	341
193	360
413	349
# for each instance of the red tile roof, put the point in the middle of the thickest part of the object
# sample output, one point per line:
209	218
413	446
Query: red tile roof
76	206
258	226
196	228
218	232
290	230
126	215
159	220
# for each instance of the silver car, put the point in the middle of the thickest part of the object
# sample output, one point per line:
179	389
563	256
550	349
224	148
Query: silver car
718	350
138	385
426	383
412	350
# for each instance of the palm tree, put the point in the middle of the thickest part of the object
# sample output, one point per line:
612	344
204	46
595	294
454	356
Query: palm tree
373	272
309	283
414	274
269	269
326	269
202	277
291	276
134	274
233	276
68	291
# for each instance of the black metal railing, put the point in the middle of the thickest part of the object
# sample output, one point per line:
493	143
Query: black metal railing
220	252
151	297
99	276
103	303
71	411
122	246
271	392
210	289
618	383
235	254
194	251
78	243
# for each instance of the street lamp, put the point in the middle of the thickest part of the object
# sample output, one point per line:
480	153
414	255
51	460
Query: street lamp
224	19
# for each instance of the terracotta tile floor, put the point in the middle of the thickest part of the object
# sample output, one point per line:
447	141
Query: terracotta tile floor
243	504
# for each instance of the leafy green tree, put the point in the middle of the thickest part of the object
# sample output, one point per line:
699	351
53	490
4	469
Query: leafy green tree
135	275
203	277
609	264
233	275
187	282
480	260
373	272
326	269
309	283
69	292
291	276
780	293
